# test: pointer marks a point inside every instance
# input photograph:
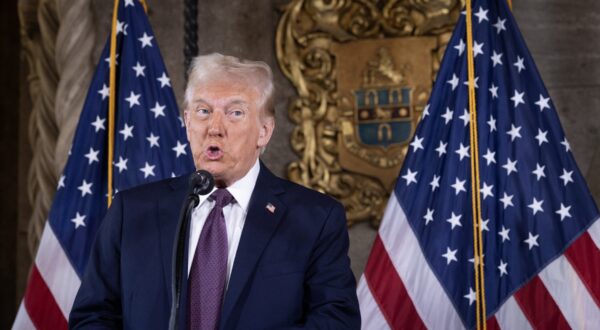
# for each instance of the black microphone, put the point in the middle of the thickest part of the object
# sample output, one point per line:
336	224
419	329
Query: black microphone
201	183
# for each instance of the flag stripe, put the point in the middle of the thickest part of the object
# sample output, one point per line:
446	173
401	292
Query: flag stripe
369	309
570	294
41	306
584	256
510	316
382	278
22	321
56	270
421	284
594	232
492	324
539	307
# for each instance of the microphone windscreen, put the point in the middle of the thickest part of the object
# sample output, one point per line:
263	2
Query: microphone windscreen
201	182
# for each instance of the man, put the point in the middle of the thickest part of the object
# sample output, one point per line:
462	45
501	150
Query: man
261	251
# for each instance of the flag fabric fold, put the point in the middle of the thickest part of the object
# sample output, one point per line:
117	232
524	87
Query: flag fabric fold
541	254
149	144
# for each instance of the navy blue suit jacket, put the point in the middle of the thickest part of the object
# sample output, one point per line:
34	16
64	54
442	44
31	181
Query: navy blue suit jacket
291	268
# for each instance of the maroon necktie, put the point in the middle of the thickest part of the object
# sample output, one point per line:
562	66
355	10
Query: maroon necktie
206	282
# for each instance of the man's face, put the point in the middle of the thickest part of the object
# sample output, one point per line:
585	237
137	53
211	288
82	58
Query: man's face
226	128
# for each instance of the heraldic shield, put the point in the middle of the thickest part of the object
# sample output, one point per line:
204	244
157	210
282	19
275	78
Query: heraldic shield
363	72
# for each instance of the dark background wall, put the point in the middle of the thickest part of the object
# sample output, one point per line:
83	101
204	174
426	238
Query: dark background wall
563	36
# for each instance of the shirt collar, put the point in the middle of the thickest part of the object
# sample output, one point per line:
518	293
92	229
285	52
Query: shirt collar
242	189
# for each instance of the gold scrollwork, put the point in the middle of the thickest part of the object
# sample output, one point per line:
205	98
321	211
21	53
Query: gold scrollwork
305	36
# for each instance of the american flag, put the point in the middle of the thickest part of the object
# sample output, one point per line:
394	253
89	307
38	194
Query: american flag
541	238
150	144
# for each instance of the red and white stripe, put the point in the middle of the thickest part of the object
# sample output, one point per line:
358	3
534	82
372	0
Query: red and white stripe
398	290
51	290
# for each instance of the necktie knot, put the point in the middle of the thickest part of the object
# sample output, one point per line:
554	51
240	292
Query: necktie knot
222	197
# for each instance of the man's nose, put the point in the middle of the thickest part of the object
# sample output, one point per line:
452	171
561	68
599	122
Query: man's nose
215	124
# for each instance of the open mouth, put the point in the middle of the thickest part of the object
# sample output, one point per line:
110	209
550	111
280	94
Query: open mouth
213	153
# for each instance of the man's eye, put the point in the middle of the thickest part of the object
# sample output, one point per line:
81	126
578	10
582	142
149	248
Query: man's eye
202	112
236	113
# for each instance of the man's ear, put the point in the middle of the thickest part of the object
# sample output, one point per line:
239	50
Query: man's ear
267	125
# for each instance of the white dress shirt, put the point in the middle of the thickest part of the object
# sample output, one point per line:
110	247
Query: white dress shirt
235	217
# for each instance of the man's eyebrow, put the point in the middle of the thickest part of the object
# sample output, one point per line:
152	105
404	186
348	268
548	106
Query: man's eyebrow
232	102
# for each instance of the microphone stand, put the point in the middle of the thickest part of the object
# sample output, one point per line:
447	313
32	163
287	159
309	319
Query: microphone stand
201	183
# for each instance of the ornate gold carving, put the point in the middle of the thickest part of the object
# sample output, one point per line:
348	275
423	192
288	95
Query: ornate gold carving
332	49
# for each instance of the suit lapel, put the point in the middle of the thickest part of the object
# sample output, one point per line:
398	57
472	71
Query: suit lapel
168	209
265	212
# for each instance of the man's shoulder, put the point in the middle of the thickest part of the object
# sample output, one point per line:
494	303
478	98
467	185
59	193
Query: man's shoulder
156	189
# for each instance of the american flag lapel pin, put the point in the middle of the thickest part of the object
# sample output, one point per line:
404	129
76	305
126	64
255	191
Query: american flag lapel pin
271	208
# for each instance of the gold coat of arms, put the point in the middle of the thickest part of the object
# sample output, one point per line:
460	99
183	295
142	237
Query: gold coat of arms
363	71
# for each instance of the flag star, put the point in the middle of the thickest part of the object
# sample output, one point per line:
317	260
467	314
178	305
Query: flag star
85	188
494	91
490	157
121	164
465	117
454	220
460	47
566	176
128	3
148	170
541	137
173	174
514	132
477	48
517	98
487	191
543	103
484	225
450	255
510	166
502	268
104	91
127	132
507	200
417	143
92	155
146	40
463	151
481	15
519	64
536	206
121	27
492	123
496	59
153	140
500	25
459	185
61	182
532	241
139	70
564	211
448	115
410	176
453	81
158	110
441	149
425	111
79	220
471	296
107	60
180	149
475	80
428	217
472	260
435	183
539	171
133	99
565	143
164	80
181	121
99	123
504	234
